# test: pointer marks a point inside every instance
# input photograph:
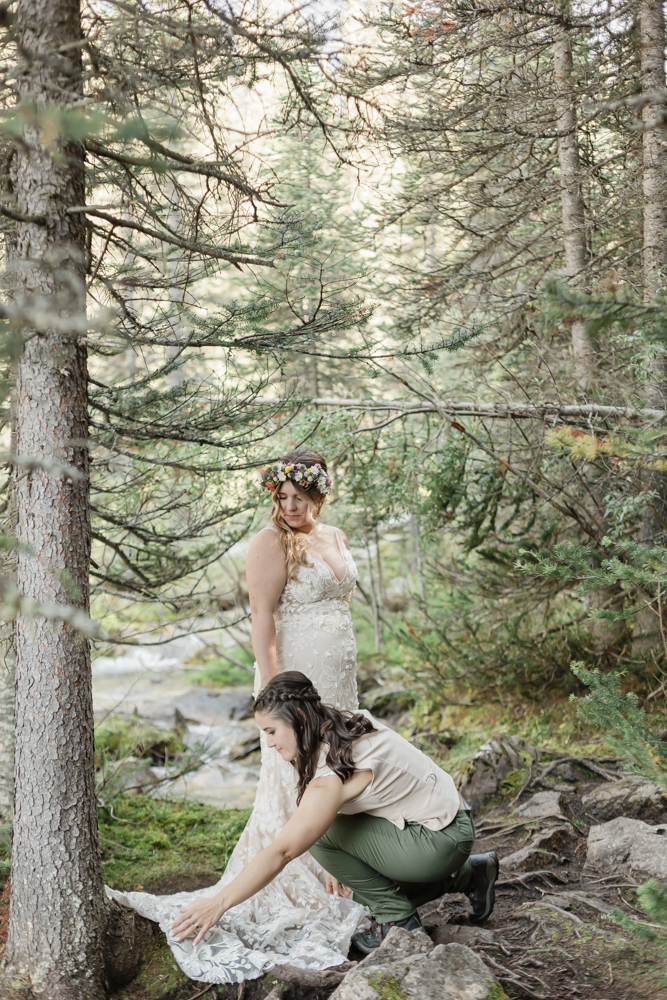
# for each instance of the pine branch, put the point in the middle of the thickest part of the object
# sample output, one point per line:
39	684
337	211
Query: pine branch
200	248
186	163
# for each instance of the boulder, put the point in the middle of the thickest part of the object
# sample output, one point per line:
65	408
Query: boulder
634	797
408	965
528	859
484	774
542	805
628	843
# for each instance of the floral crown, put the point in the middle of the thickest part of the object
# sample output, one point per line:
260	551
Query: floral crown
306	476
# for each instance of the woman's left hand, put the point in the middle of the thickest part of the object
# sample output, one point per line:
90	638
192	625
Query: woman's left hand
336	888
197	918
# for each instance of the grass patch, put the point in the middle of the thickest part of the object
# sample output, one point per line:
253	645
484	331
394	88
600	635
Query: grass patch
217	672
151	841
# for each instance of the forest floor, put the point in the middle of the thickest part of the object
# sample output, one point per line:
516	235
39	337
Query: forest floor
550	937
542	941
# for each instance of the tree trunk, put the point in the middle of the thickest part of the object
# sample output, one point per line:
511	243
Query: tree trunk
574	222
8	653
8	558
652	29
646	629
7	680
57	906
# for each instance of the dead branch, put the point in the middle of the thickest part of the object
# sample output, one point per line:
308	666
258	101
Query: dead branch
312	977
552	412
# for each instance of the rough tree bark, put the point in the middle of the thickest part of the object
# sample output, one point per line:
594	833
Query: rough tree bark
646	631
8	557
652	31
8	660
572	202
57	909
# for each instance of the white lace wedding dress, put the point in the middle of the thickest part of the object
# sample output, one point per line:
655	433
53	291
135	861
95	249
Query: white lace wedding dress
292	921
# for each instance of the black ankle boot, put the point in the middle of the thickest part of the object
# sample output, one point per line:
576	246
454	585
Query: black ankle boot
481	889
370	939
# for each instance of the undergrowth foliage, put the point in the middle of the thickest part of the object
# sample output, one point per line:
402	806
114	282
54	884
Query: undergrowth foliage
623	723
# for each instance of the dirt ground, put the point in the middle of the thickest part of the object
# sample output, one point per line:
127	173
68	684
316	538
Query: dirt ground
539	943
550	937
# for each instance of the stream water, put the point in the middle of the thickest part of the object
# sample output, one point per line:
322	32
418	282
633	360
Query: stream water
154	682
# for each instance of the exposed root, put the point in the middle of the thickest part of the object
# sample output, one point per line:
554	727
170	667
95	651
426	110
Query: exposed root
511	979
540	875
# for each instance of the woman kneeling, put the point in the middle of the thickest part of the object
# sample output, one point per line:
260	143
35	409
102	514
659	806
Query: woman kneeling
382	819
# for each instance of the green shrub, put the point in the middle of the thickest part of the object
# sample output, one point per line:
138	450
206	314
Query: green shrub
217	672
622	722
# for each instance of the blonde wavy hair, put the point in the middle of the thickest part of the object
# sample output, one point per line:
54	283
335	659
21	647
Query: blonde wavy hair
293	542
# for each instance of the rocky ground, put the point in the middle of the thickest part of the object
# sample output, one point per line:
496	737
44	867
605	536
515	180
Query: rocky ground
573	850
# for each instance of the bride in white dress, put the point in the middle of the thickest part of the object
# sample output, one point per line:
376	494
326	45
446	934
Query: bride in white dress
301	576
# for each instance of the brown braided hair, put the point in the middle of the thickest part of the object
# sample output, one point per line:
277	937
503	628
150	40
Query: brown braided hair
292	697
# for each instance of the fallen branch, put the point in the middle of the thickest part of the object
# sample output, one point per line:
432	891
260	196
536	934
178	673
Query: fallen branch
201	992
312	977
501	827
588	762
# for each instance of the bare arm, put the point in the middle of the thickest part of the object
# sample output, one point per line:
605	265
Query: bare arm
317	810
266	575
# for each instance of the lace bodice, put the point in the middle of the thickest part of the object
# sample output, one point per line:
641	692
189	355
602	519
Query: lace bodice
318	584
314	631
293	921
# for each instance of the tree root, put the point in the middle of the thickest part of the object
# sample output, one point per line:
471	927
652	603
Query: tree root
127	938
509	977
541	874
312	977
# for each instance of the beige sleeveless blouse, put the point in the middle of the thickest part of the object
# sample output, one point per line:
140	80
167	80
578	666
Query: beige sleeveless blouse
407	787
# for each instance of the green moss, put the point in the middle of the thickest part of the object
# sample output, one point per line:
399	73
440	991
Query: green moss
387	987
496	992
159	973
147	841
514	781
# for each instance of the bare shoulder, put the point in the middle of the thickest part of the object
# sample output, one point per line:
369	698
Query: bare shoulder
266	543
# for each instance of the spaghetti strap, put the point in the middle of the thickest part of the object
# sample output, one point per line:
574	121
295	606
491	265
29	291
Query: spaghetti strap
338	535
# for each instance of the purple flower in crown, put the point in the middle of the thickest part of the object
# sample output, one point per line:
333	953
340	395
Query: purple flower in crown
307	476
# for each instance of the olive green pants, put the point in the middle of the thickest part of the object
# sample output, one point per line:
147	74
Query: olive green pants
394	871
